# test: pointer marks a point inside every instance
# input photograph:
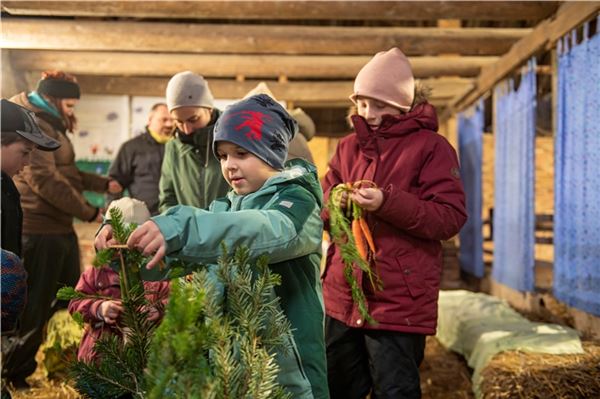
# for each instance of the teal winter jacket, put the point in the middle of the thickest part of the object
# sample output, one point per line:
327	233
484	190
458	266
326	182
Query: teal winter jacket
281	220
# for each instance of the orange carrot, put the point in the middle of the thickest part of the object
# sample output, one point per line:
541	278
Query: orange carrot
364	183
367	234
359	240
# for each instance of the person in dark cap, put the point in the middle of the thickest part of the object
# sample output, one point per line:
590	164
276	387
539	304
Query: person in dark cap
20	135
51	189
273	209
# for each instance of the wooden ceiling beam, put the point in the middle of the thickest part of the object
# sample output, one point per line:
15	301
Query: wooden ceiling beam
226	66
303	92
290	10
544	37
52	34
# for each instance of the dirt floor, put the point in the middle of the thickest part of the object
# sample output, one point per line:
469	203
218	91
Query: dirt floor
444	375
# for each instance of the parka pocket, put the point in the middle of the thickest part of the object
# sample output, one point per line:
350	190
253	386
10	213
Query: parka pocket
291	374
414	280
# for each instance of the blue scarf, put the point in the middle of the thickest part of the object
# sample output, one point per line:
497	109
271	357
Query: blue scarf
37	100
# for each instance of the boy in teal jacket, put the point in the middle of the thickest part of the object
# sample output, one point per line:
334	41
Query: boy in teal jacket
271	210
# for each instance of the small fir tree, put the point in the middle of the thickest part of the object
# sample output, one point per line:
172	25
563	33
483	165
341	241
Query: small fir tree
220	335
218	339
119	369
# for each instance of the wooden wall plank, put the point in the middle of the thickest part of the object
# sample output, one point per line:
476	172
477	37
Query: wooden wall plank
51	34
301	93
290	10
13	81
264	66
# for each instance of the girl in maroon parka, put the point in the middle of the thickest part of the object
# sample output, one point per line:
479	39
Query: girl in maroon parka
419	200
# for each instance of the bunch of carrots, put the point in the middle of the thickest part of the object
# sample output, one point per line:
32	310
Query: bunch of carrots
350	232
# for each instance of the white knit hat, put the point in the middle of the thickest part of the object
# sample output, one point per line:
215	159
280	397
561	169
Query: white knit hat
187	89
134	211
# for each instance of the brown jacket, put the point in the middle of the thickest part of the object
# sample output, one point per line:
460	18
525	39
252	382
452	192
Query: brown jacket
51	186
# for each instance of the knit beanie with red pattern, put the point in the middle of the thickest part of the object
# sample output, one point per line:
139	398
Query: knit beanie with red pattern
388	78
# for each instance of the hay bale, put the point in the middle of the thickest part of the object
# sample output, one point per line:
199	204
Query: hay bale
515	374
61	344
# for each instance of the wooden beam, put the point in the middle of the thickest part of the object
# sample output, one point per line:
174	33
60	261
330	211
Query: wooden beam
301	93
226	66
50	34
290	10
13	81
544	36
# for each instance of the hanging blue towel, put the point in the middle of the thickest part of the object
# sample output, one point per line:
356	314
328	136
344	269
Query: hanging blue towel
514	216
577	174
470	140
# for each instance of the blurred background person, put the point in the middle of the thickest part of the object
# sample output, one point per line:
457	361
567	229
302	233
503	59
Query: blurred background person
190	174
137	166
298	147
51	190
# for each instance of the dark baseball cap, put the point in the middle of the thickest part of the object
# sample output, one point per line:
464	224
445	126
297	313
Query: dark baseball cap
22	121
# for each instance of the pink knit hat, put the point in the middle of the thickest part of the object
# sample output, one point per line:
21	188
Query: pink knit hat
388	78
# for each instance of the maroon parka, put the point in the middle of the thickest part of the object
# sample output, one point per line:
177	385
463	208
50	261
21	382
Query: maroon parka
104	282
424	202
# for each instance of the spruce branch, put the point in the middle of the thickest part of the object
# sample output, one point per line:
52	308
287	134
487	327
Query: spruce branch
228	319
119	227
103	257
119	367
68	293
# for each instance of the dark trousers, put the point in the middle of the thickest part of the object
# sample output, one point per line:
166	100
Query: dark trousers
51	261
385	363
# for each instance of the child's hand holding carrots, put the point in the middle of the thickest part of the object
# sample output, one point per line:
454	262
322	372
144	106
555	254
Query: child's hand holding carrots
343	199
369	199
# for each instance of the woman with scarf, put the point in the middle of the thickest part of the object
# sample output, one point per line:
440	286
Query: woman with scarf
51	190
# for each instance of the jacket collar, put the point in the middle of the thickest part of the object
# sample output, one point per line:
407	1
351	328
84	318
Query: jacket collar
297	171
200	136
54	122
422	117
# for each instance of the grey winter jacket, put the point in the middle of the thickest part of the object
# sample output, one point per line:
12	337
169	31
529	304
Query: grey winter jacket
137	168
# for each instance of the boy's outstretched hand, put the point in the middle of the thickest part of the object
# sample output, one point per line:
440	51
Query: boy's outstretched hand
149	240
370	199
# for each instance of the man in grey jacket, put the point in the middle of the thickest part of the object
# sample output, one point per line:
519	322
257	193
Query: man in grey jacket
137	166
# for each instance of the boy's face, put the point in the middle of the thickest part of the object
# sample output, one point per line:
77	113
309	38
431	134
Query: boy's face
243	170
189	119
373	110
15	157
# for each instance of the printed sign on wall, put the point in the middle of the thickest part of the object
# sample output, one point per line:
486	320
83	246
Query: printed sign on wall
103	125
